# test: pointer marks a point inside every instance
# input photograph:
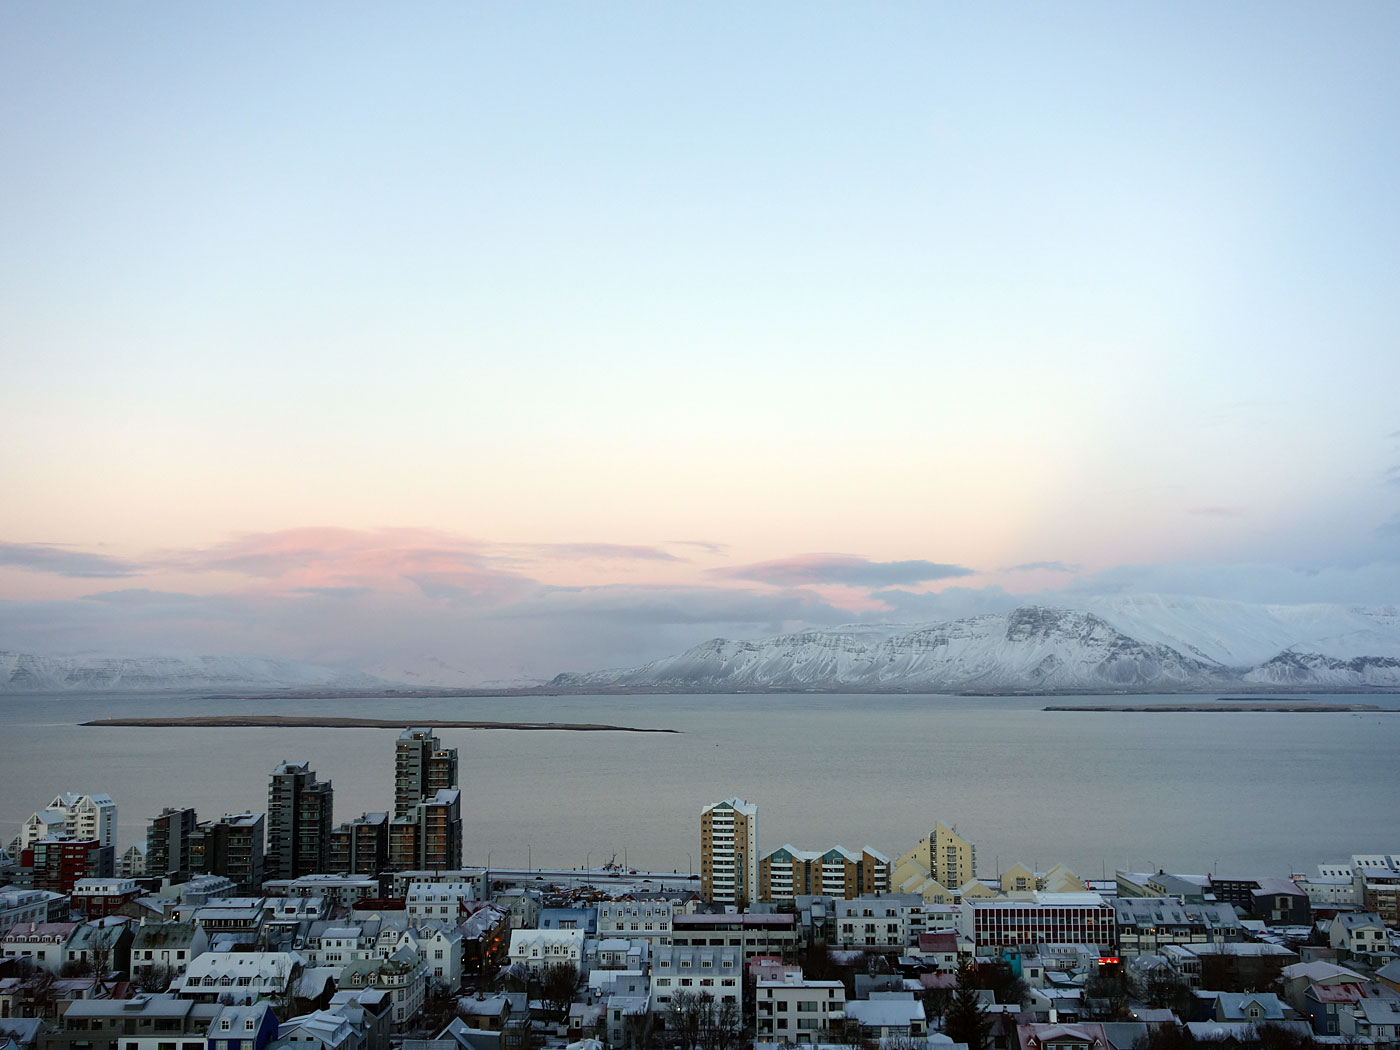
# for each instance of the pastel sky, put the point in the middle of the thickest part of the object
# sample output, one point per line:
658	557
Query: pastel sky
533	337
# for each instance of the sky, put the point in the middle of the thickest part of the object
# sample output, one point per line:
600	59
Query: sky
514	339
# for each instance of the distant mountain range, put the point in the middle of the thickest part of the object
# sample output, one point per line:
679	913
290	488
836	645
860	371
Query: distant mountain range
1139	644
28	673
1115	644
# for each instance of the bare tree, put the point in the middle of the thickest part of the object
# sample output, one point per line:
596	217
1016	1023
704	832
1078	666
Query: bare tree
154	978
722	1024
683	1019
936	1002
558	982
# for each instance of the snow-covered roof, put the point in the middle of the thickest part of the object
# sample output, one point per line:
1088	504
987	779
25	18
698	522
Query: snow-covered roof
885	1013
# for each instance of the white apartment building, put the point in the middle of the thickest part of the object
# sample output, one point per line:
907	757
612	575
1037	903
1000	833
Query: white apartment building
75	816
891	921
800	1011
651	921
439	901
718	972
729	852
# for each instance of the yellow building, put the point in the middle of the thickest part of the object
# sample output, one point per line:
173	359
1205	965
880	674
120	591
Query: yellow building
937	867
788	872
729	852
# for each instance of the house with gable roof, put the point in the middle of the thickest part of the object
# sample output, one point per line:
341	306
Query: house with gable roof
1359	933
1251	1007
243	976
248	1027
1062	1037
166	947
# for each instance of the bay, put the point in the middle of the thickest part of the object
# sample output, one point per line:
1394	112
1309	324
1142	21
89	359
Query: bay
1248	792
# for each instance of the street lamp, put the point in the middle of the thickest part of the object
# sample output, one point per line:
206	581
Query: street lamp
691	861
529	857
587	857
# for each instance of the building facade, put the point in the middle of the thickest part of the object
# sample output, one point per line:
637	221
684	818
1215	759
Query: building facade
168	841
429	837
74	816
1047	918
232	847
787	873
422	767
360	846
729	852
298	822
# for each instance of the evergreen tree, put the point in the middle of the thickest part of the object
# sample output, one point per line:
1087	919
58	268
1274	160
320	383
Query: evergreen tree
966	1021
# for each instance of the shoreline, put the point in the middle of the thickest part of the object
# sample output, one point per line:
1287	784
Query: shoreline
1287	707
333	722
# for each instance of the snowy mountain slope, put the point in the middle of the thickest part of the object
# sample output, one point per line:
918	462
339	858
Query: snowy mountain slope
1155	643
1239	634
28	673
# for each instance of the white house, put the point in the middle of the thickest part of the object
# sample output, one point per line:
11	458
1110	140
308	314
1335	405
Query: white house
1360	933
440	948
537	949
42	943
244	976
166	947
887	1015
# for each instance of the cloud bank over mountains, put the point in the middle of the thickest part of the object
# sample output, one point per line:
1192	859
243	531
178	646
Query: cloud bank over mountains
430	606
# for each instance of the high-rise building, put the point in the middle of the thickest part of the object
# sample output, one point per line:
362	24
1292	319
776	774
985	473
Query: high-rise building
788	872
729	852
232	847
422	768
74	816
360	846
168	841
426	832
298	822
430	837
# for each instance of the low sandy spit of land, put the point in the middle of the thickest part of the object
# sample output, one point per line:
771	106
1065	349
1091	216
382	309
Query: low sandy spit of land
330	722
1228	705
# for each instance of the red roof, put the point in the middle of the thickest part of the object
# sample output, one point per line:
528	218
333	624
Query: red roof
1337	993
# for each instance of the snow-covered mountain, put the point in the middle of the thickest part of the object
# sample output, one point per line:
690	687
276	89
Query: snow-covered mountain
1139	644
28	673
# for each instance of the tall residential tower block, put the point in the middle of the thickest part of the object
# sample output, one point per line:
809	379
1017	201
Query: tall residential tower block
729	852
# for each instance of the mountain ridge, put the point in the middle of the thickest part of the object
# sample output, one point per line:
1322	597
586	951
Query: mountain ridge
1080	646
100	673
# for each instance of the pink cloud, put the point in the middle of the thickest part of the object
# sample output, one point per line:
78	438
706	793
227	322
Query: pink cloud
319	559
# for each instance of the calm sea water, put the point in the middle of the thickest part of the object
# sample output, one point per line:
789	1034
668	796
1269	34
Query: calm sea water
1238	792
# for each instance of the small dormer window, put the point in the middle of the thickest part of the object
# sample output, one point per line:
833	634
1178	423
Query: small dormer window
248	1024
224	1024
